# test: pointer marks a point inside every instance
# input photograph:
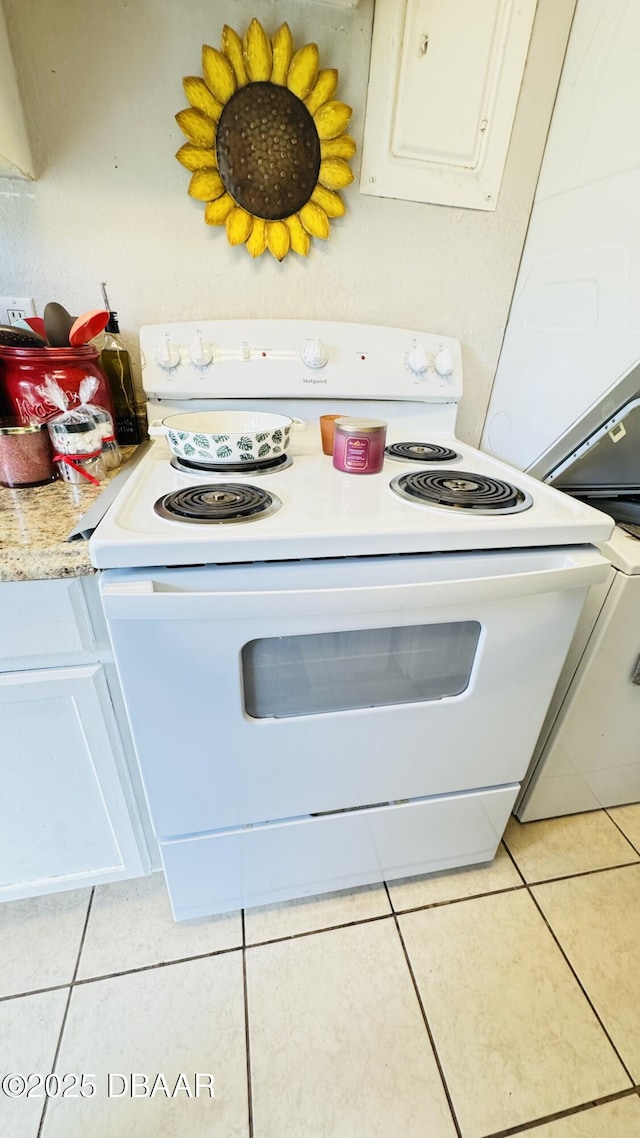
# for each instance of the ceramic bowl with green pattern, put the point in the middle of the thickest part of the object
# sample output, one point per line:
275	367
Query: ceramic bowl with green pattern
228	436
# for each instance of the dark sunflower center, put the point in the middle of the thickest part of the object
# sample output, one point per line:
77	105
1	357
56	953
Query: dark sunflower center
268	150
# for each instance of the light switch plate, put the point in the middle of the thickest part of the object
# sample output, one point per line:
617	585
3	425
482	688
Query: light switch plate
16	308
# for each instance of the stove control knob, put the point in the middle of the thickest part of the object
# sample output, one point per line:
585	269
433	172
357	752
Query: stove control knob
417	360
168	354
443	362
314	353
200	352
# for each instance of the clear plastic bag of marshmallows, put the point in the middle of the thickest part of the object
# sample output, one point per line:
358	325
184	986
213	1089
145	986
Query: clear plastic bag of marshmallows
110	449
75	436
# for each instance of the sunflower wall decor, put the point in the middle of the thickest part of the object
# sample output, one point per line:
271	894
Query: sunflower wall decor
267	147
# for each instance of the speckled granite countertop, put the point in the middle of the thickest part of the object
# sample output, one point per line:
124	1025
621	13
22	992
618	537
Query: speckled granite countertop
35	523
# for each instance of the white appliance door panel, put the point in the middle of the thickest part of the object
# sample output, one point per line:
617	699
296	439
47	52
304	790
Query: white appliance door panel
465	684
590	614
217	873
592	758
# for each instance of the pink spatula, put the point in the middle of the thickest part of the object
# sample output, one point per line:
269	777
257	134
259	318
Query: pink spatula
87	326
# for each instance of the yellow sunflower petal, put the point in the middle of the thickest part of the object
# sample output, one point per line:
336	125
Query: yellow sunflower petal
278	239
239	224
324	89
314	219
196	157
200	97
335	174
216	212
199	129
282	52
331	203
232	48
257	52
218	73
257	240
206	185
342	147
303	70
332	118
300	240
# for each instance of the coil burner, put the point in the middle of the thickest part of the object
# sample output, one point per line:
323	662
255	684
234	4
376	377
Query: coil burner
220	504
268	466
461	491
420	452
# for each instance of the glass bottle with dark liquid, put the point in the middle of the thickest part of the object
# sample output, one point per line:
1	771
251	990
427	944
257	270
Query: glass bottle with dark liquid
116	364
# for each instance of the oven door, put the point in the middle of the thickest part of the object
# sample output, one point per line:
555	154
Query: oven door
270	691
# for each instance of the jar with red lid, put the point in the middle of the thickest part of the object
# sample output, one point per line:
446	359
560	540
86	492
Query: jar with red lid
358	445
24	370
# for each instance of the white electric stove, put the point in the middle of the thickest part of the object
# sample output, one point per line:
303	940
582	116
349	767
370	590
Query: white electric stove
348	687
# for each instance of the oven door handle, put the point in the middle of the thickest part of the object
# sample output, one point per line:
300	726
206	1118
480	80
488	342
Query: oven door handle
146	599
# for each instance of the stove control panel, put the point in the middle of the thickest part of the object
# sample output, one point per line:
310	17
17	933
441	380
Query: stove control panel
318	359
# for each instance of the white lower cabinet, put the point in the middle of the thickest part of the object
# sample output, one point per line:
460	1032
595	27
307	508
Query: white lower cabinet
71	810
64	819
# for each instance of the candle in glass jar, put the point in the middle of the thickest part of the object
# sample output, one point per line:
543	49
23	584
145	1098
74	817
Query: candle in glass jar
358	445
25	454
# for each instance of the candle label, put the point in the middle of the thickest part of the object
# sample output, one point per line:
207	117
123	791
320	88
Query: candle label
356	455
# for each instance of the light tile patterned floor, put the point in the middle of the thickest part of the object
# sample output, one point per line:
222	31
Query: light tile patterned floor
499	1000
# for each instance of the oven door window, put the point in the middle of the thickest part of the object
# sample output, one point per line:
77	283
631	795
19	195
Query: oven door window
371	667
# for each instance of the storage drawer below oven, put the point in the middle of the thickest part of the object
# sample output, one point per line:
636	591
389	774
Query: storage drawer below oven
218	872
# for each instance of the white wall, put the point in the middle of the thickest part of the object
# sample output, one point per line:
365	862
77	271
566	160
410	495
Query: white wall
101	81
574	326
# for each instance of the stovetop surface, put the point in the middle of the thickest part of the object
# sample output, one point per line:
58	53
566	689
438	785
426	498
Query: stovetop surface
326	513
411	379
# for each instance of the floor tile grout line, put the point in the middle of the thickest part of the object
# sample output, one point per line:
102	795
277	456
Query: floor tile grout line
618	827
323	929
581	986
32	992
313	932
151	967
66	1009
84	933
458	900
583	873
425	1020
567	876
560	1115
513	861
247	1035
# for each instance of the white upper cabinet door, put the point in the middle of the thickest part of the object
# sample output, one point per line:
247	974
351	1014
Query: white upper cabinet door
443	88
15	153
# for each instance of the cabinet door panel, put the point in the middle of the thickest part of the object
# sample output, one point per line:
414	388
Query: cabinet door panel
41	621
64	819
444	81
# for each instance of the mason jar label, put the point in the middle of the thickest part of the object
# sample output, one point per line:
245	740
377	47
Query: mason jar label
356	455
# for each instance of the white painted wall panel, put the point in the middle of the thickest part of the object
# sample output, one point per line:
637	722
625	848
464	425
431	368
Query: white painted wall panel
15	153
574	326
